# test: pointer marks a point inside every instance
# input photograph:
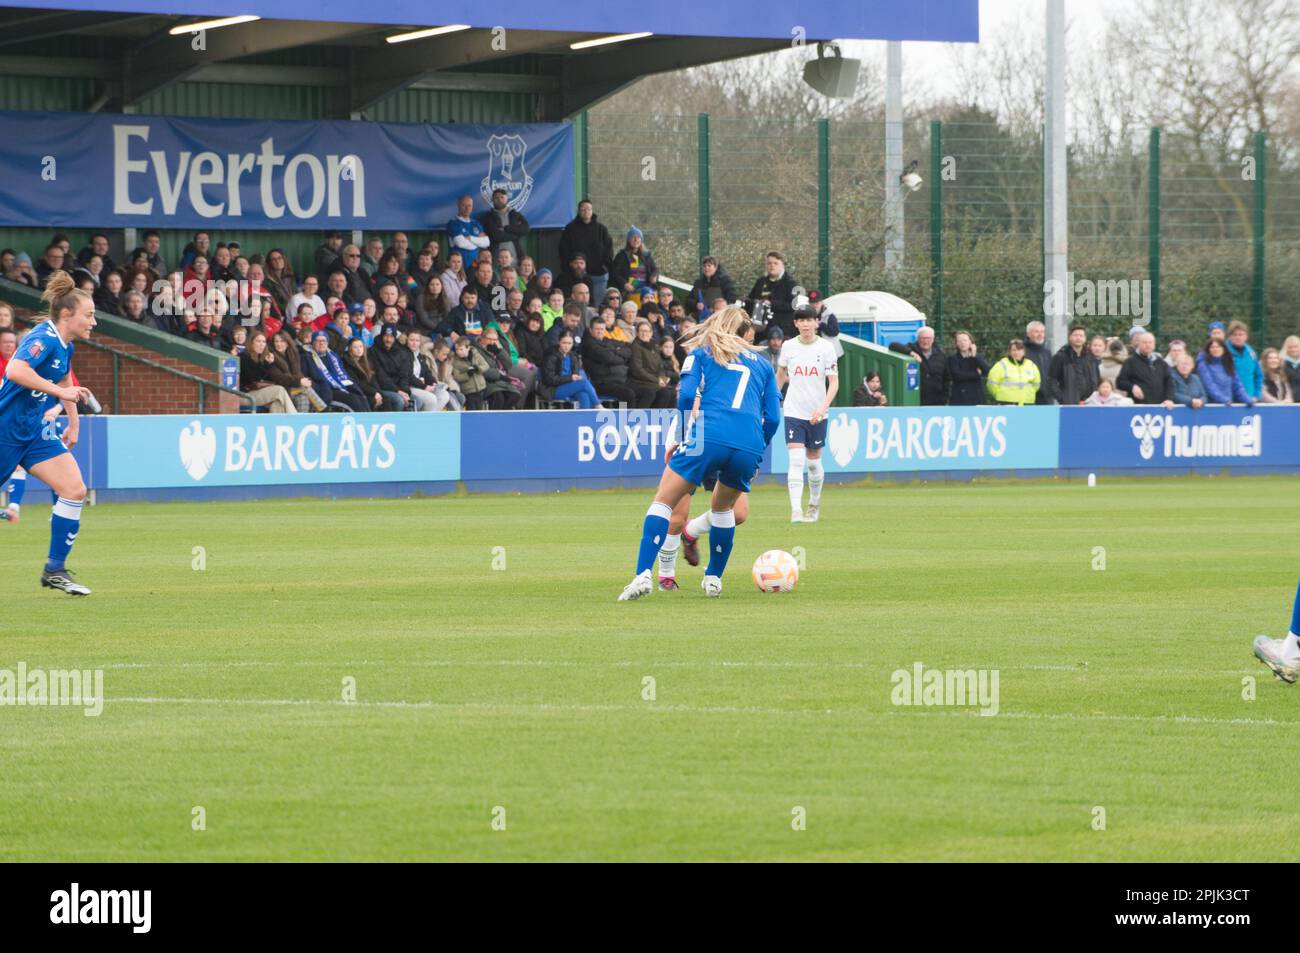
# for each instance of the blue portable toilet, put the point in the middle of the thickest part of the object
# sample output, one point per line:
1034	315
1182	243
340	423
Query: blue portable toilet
876	316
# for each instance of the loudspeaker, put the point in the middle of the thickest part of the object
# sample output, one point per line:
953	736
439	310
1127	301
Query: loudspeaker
834	76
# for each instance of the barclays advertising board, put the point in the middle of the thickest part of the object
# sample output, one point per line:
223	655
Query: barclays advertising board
267	449
916	439
1155	438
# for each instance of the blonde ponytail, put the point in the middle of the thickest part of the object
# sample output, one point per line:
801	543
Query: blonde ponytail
721	335
62	294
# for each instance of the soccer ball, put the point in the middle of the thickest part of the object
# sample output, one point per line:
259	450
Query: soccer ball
775	571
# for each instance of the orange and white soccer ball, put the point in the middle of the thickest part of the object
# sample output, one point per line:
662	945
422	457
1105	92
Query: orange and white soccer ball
775	571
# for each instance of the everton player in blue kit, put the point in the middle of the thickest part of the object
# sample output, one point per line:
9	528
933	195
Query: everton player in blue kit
37	377
740	410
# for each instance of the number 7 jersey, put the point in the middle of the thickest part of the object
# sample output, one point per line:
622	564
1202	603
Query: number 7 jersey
740	404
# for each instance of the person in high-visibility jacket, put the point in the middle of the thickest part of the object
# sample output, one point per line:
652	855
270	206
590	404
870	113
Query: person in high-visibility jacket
1014	379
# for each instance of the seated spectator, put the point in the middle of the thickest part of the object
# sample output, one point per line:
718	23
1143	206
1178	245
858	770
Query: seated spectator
634	271
869	392
527	269
575	272
237	339
626	322
429	394
152	244
669	368
453	279
562	372
17	267
1187	387
356	361
673	320
553	308
308	295
6	319
423	270
329	378
468	367
541	284
504	391
1106	396
529	338
1144	376
109	296
338	287
775	340
1111	361
362	318
1014	379
1276	389
608	316
608	363
1291	361
52	262
467	318
392	365
201	244
442	368
8	344
1244	360
388	272
516	364
484	282
581	295
1215	368
205	330
570	321
645	372
261	379
967	369
289	364
370	255
219	263
684	331
430	306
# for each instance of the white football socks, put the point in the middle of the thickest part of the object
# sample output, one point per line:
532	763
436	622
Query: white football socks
668	555
699	526
816	477
794	477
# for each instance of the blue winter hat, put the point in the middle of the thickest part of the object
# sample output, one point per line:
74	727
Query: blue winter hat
1216	326
544	271
319	334
634	231
389	329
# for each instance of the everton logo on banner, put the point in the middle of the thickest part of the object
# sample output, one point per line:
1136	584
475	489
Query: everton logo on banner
506	171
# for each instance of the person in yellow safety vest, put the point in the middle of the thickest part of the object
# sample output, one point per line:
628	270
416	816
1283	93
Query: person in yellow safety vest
1014	380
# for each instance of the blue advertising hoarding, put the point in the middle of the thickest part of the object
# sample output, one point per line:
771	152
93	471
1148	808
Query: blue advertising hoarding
1141	438
75	169
267	449
917	439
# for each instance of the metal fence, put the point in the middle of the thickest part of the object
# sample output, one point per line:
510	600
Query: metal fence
1218	239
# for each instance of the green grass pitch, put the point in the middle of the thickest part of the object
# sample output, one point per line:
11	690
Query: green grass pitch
521	687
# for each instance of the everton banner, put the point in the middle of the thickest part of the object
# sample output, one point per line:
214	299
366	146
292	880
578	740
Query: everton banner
92	170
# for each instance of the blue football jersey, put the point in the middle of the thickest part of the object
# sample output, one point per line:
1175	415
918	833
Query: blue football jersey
740	404
21	409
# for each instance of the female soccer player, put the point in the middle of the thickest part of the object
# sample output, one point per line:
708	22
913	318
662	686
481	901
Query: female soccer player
808	363
740	411
40	370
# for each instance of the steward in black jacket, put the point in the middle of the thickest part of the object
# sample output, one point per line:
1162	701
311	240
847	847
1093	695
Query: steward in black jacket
1150	374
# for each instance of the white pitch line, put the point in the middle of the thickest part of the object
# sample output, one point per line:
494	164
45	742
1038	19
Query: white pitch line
969	712
565	663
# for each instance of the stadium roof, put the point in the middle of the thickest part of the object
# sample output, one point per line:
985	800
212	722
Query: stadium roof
144	57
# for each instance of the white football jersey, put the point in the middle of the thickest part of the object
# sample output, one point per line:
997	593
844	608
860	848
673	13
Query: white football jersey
809	365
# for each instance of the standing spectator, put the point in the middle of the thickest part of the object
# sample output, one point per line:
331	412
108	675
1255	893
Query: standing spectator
967	369
1145	377
505	227
257	377
713	282
1291	359
562	372
1037	351
151	246
645	372
328	256
1106	396
401	247
1014	379
587	235
1073	373
933	366
1276	387
1177	348
465	234
1112	360
1215	368
1217	331
608	363
329	378
1187	387
776	288
869	393
357	362
634	270
1245	360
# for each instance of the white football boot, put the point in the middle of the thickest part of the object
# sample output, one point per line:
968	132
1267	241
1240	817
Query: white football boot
712	586
796	516
1269	651
810	515
642	585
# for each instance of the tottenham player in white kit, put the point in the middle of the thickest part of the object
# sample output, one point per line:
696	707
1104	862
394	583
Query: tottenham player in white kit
808	364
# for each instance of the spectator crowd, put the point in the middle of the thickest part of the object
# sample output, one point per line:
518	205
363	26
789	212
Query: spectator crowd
470	325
